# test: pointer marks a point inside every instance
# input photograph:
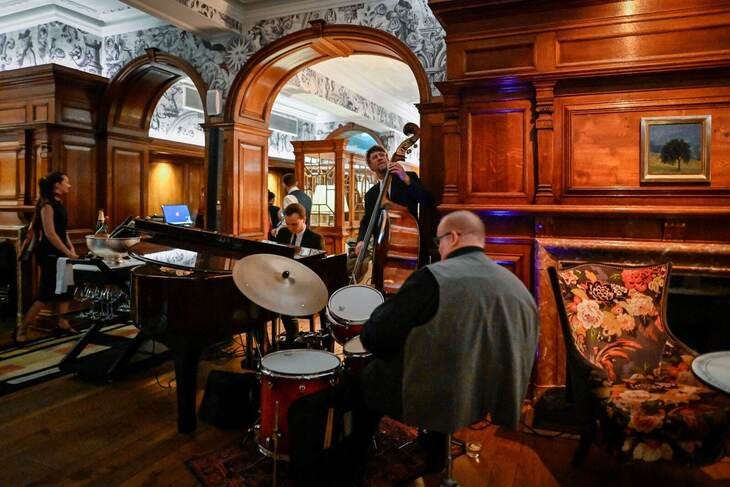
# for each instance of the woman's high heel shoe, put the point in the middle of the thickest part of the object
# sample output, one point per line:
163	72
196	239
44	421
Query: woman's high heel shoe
67	328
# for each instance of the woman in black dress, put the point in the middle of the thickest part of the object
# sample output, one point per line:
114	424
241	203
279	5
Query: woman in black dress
50	221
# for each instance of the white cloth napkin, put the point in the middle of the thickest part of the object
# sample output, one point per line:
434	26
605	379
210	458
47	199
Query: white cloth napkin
64	275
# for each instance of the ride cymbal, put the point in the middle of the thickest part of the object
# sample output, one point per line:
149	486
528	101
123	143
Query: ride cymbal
280	284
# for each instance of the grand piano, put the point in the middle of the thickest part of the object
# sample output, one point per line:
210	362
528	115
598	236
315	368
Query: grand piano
185	296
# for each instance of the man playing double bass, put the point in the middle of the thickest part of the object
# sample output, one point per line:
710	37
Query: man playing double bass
405	189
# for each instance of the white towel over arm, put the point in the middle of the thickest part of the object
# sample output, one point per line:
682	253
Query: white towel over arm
64	275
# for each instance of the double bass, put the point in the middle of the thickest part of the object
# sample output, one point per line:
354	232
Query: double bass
396	250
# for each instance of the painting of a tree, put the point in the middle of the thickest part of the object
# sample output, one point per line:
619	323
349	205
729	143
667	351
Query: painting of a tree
675	148
674	152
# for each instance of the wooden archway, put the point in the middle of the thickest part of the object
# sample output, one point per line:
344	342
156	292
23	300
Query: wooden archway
133	93
353	127
252	96
124	122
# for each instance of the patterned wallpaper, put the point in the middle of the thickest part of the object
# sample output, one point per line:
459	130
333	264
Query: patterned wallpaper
53	42
172	121
323	87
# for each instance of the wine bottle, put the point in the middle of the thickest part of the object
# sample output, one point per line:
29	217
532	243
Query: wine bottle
99	220
102	225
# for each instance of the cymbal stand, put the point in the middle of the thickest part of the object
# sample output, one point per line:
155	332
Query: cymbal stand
276	438
449	481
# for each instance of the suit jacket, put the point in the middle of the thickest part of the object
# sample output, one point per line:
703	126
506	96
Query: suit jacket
407	195
310	239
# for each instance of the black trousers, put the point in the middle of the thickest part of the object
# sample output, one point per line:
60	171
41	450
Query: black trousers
366	417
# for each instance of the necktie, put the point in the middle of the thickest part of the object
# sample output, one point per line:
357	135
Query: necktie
293	239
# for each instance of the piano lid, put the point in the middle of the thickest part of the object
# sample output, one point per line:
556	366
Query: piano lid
203	251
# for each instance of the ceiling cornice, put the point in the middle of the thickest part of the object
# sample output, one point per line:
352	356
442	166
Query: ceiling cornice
268	10
22	14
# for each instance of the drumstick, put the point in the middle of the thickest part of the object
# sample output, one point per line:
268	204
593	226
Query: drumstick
328	428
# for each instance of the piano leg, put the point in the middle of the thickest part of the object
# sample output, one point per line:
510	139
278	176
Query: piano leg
186	353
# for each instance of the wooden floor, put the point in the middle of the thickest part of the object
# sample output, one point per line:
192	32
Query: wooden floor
69	432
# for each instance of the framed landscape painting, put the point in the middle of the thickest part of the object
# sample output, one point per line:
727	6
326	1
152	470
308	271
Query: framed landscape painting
675	149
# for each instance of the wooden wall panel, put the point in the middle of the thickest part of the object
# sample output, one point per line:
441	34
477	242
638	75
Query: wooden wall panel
489	39
196	183
166	186
252	169
12	114
505	56
644	42
126	183
600	137
78	158
8	170
499	152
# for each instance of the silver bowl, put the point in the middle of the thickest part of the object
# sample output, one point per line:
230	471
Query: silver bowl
113	249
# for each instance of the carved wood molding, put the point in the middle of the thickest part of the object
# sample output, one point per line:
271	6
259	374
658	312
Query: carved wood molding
647	210
135	76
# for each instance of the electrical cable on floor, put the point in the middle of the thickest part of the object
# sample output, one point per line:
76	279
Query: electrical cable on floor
533	431
157	371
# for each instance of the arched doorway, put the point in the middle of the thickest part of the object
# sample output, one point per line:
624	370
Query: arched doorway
252	96
124	122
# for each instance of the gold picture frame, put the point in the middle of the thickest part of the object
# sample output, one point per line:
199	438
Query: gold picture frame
676	149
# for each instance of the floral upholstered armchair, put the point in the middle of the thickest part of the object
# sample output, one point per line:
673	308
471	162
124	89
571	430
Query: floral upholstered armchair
631	379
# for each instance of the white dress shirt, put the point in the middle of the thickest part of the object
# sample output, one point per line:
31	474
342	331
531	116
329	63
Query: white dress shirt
296	239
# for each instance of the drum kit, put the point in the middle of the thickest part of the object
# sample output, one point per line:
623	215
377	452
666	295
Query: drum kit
287	287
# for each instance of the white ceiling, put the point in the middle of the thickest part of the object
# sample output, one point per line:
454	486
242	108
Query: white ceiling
388	82
391	80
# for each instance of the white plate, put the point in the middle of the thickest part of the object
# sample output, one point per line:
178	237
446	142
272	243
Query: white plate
714	369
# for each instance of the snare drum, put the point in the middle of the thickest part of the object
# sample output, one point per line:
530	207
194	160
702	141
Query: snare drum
287	376
356	357
349	308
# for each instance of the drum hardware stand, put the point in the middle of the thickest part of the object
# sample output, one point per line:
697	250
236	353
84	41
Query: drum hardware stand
276	438
449	481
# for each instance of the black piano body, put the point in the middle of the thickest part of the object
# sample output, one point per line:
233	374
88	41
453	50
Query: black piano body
185	297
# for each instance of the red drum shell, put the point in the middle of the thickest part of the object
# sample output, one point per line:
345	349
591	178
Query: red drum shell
286	387
356	357
349	308
343	333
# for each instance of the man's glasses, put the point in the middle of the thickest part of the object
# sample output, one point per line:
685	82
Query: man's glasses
437	239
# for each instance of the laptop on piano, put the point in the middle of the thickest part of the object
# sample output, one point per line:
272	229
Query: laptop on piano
178	215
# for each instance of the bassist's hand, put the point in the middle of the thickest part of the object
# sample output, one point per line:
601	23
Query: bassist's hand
358	248
397	170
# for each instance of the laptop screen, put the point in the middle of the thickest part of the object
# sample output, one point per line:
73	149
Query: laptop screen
177	214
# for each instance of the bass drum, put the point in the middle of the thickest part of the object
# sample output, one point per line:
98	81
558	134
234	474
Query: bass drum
349	308
287	376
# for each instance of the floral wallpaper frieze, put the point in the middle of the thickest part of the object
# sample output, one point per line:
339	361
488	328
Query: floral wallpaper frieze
53	42
317	84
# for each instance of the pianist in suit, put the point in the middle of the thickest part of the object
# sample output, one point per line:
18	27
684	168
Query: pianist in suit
296	233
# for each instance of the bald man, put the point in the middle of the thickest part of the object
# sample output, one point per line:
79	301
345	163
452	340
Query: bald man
455	344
